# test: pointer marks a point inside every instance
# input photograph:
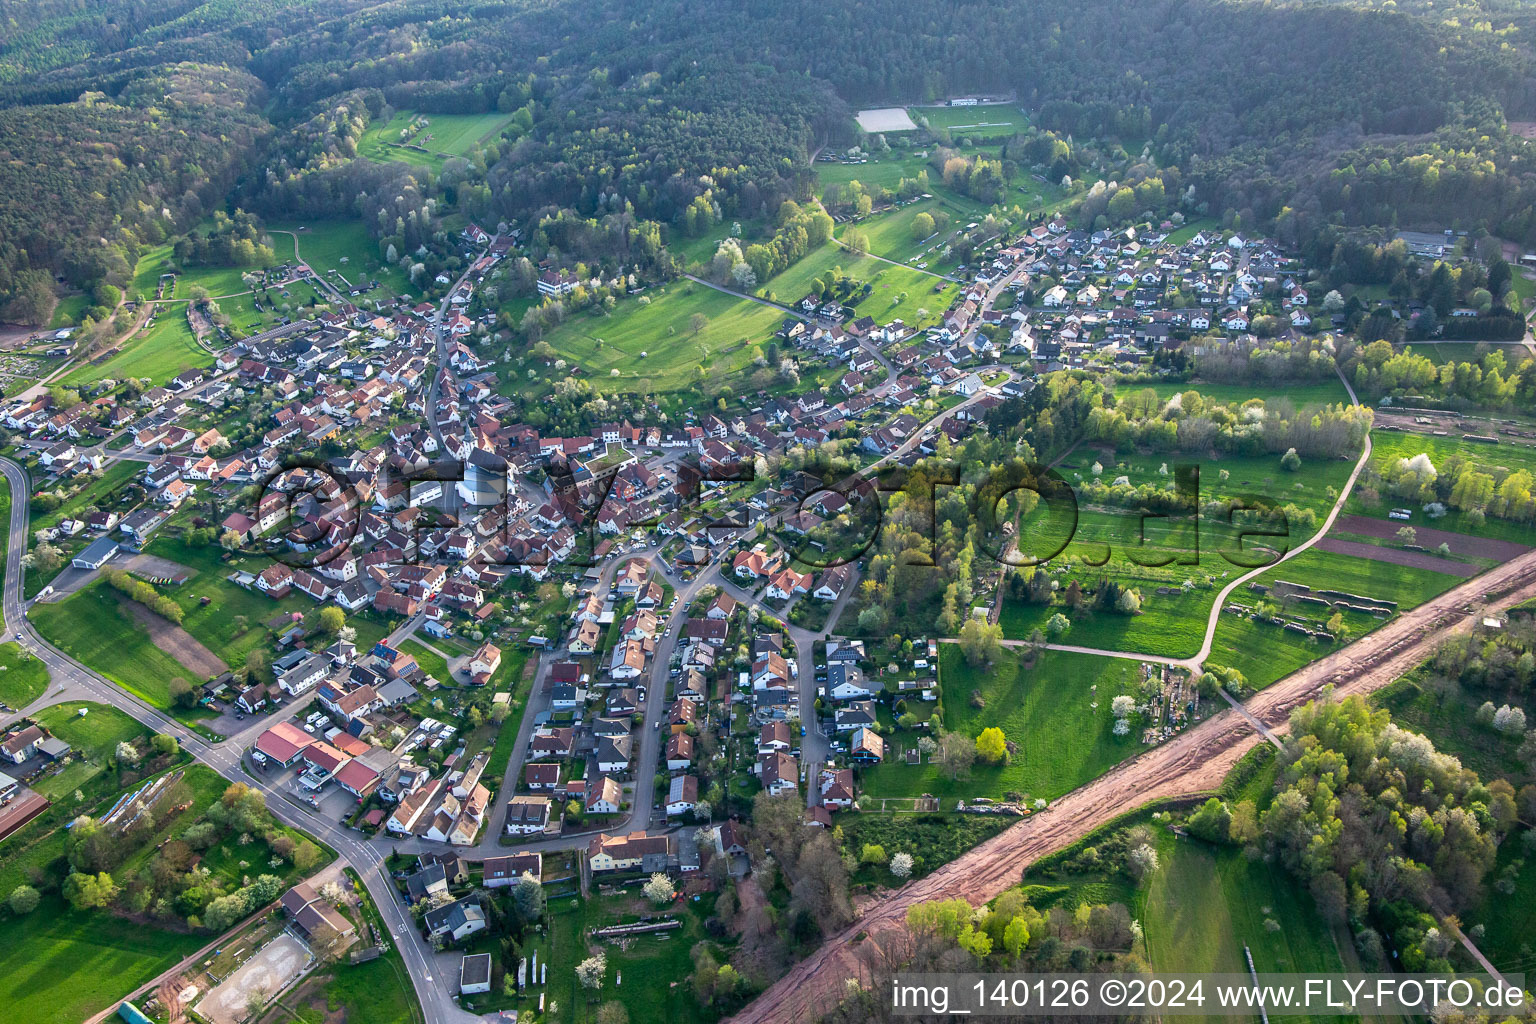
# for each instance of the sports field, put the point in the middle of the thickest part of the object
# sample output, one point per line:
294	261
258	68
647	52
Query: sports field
1000	119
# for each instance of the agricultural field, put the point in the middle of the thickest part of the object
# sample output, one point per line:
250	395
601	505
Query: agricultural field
657	341
1057	711
159	352
914	296
445	135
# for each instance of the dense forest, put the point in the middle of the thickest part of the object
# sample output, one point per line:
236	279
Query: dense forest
127	121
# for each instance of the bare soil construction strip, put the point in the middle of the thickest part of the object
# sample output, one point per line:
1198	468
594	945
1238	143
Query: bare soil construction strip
1397	556
1192	763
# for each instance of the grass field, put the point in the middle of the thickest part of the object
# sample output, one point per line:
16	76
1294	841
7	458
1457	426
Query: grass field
656	342
898	292
59	965
22	677
1389	446
69	310
890	234
62	965
233	621
1509	919
92	627
159	353
1445	711
94	736
432	664
1000	119
1206	903
1265	653
1063	740
1303	396
450	134
97	733
323	244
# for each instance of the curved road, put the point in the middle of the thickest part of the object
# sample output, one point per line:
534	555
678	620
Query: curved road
72	680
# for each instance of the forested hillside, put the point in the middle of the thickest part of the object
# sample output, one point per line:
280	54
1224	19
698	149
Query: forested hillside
1288	114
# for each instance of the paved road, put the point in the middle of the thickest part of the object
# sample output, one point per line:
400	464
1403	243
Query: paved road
71	680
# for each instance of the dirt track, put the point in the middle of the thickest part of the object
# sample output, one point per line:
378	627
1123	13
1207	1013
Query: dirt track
1193	762
187	649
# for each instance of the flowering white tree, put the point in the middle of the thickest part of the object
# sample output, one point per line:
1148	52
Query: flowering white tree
659	889
901	865
591	970
1142	862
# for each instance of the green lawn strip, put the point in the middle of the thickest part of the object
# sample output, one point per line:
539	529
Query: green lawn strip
453	134
890	233
517	675
92	627
23	678
431	663
657	342
1063	741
